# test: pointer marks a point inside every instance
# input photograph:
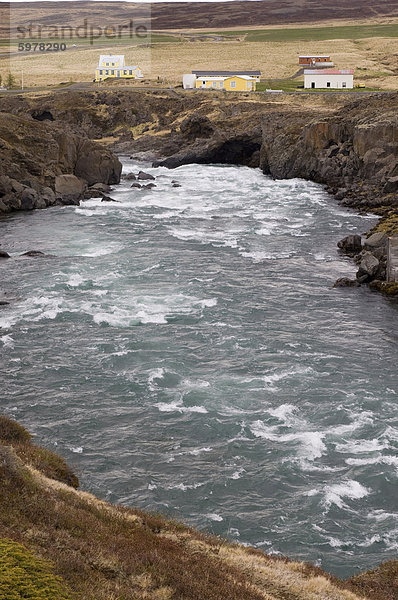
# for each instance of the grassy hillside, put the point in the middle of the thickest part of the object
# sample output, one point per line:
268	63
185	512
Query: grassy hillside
194	15
57	543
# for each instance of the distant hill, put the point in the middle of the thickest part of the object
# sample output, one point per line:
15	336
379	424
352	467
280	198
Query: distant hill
195	15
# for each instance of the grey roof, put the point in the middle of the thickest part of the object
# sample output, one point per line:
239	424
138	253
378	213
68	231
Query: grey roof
225	73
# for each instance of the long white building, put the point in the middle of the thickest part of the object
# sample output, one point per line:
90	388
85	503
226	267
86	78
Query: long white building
329	78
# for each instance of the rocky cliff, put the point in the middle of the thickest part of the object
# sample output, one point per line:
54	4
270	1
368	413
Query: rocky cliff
354	151
57	542
43	164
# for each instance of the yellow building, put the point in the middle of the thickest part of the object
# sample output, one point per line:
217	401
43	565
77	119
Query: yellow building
235	83
112	65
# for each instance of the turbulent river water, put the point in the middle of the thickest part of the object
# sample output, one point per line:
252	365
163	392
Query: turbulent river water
186	353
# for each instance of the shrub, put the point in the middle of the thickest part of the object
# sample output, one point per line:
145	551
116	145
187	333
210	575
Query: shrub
23	575
49	463
12	432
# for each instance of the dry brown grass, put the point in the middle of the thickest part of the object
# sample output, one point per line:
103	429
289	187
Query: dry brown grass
374	58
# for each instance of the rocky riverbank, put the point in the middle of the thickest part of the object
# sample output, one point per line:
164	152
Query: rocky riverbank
43	164
53	147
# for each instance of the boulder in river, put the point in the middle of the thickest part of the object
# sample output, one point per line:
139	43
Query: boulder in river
136	185
351	244
346	282
148	186
70	188
108	199
100	187
4	254
145	176
29	198
368	267
34	253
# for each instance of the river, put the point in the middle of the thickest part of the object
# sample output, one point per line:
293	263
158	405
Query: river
185	351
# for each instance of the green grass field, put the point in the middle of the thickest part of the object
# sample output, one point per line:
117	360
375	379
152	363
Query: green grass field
350	32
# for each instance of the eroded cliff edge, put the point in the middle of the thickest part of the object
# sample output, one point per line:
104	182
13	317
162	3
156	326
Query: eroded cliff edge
57	542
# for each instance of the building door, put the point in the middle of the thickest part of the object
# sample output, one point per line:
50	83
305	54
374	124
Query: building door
313	84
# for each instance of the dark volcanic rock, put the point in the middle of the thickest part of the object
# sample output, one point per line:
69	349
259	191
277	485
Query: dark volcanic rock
351	244
375	241
100	187
346	282
108	199
44	163
368	267
70	188
353	150
96	164
34	253
142	176
197	126
4	254
391	185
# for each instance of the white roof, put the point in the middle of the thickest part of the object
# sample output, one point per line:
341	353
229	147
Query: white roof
329	72
314	56
124	67
246	77
114	57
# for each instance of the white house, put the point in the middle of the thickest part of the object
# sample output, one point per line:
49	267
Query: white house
188	81
329	78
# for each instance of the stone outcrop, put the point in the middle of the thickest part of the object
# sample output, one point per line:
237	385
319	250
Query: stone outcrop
41	164
351	245
354	151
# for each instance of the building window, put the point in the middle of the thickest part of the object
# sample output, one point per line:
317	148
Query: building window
233	84
328	84
214	84
100	72
344	84
112	72
221	84
130	72
107	72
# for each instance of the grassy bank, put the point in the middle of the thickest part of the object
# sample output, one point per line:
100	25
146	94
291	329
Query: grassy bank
57	543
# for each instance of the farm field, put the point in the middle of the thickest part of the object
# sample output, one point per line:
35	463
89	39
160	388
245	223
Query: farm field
167	55
337	32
